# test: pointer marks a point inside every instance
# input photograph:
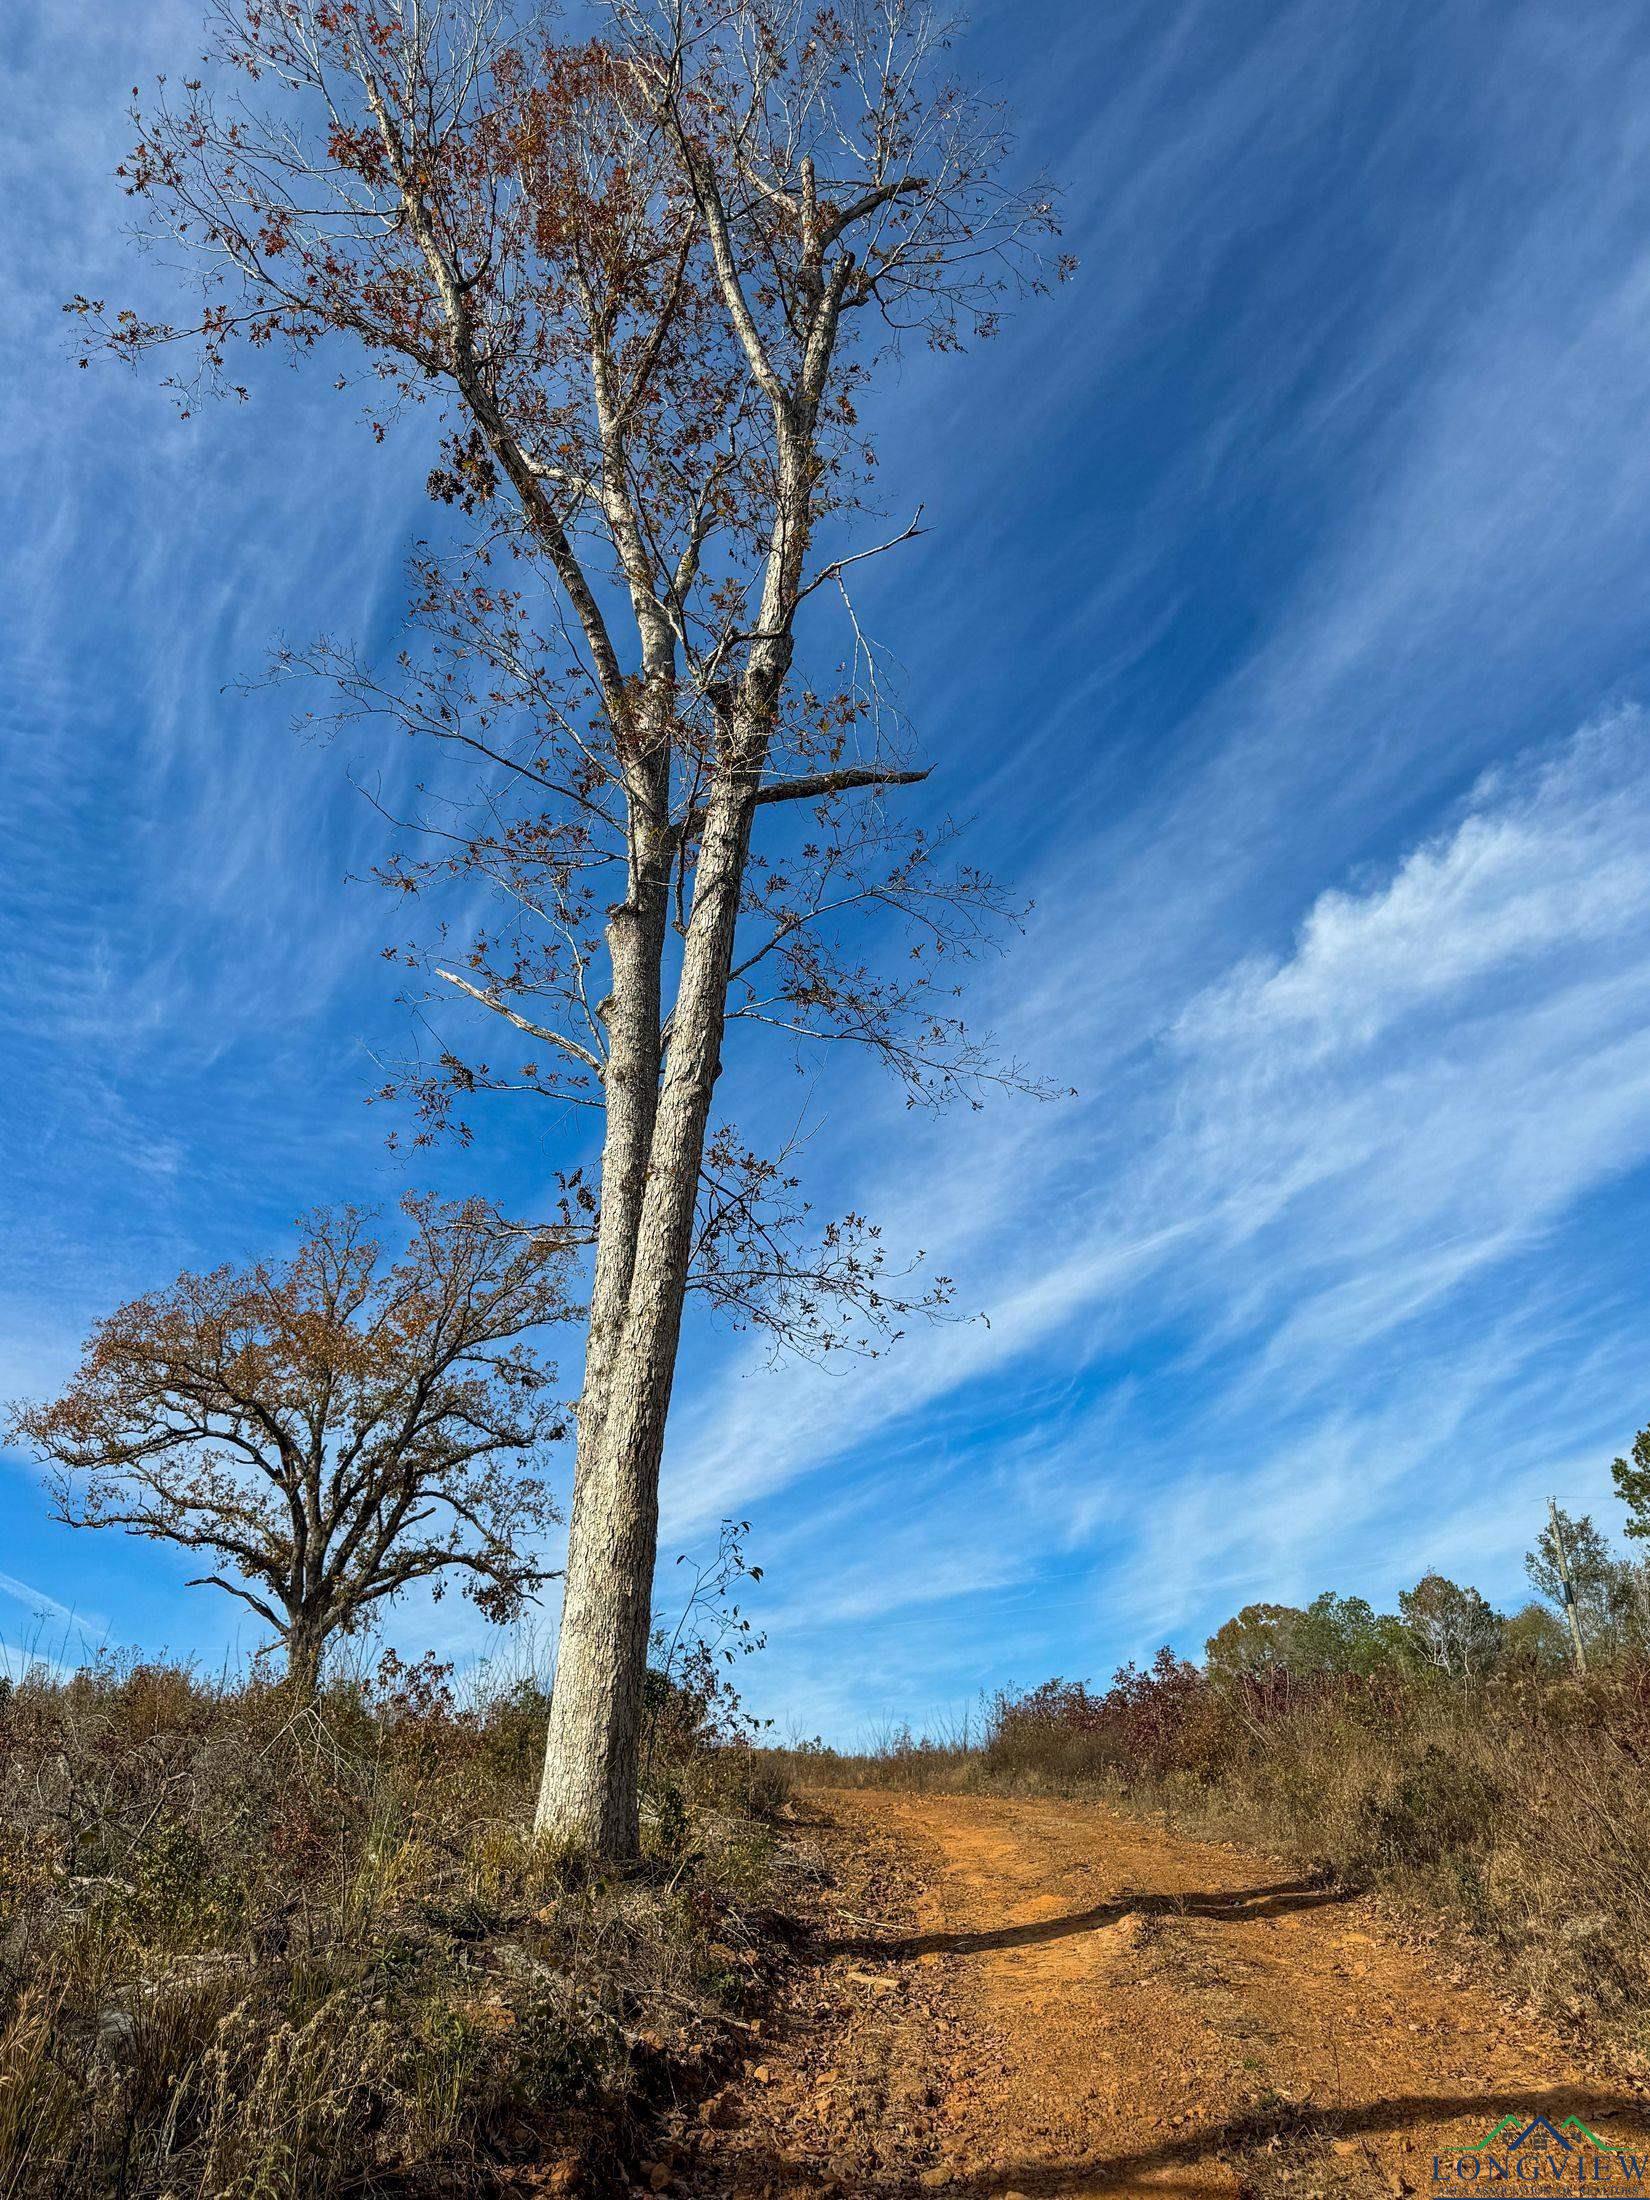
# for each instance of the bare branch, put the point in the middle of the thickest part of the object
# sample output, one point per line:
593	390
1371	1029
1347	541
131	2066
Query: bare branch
534	1031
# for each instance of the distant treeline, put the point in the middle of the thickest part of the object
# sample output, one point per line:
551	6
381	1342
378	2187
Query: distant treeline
1592	1606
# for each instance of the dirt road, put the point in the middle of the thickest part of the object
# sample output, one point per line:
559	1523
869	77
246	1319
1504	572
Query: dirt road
1051	2000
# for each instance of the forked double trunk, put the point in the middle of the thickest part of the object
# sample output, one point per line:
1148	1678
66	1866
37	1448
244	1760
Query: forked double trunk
588	1798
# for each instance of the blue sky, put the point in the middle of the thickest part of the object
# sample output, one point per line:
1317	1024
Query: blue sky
1284	629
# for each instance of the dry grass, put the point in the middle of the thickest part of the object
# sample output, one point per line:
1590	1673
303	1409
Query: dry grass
246	1954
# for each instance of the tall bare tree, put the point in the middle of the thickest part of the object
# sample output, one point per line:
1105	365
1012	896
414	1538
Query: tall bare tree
647	275
331	1429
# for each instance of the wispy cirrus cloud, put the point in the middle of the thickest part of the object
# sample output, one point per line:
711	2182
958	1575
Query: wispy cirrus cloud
1405	1063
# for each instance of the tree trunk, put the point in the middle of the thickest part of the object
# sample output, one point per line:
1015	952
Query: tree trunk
305	1646
588	1796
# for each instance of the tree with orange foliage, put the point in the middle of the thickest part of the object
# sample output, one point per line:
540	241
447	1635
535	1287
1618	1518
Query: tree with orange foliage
331	1429
646	277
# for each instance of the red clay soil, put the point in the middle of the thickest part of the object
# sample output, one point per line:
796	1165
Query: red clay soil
1052	2000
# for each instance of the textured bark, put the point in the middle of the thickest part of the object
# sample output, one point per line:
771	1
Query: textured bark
304	1647
588	1794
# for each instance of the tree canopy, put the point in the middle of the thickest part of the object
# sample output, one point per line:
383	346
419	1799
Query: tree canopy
328	1430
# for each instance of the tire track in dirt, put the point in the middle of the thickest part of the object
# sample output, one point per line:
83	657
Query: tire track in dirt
1051	2000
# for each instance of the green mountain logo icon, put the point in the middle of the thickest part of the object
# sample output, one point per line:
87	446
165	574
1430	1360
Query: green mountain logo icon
1514	2131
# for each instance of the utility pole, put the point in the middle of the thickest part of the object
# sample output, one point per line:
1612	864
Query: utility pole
1562	1553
